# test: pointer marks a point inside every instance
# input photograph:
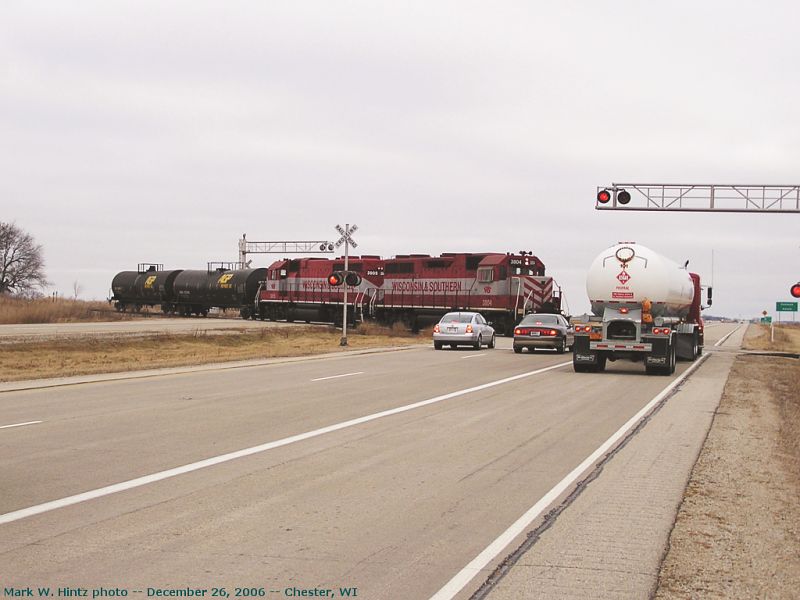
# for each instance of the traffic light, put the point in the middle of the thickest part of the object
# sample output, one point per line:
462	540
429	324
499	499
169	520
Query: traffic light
603	196
795	290
337	278
623	197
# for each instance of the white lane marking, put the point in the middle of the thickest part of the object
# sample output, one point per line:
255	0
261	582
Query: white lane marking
476	566
210	462
337	376
19	424
473	356
725	337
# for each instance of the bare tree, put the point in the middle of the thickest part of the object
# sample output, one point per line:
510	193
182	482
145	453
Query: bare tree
77	288
21	261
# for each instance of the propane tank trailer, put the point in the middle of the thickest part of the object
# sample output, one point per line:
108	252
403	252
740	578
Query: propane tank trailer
646	309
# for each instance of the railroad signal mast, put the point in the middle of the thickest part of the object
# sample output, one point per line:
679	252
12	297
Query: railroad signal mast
681	197
283	247
349	277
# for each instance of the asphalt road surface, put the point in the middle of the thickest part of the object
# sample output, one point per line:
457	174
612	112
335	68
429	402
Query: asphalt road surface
384	472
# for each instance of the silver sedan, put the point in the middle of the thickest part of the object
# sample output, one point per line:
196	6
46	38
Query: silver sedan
463	329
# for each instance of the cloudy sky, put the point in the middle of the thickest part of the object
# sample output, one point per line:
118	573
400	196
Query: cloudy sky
162	131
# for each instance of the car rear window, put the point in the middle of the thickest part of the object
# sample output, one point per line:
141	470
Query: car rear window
457	318
540	319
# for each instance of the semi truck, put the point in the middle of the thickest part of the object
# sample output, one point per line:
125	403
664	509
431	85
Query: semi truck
646	308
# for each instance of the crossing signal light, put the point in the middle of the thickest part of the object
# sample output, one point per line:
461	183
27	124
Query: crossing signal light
796	290
603	196
352	279
336	278
623	197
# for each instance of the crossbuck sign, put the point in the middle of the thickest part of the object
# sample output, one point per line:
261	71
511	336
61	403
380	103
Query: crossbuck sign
346	235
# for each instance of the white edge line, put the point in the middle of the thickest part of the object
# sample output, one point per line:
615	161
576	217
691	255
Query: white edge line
20	424
337	376
216	460
473	356
725	337
463	577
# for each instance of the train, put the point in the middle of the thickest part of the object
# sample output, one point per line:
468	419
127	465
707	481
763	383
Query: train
412	289
186	292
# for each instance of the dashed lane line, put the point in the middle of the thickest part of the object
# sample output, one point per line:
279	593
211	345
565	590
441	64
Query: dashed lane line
223	458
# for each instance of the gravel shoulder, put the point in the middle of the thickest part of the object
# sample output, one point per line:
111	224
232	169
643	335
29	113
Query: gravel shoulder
737	533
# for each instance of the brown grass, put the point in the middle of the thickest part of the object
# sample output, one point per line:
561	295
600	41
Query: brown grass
61	310
737	534
787	338
107	354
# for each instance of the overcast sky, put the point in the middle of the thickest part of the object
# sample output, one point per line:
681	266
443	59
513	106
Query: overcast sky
162	131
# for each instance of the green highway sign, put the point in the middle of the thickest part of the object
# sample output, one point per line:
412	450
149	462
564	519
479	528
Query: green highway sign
786	306
766	320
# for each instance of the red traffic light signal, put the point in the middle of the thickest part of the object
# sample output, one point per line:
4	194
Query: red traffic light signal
603	196
795	291
352	279
336	278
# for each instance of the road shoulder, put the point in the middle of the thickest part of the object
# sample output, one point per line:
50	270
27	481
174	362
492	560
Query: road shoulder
610	541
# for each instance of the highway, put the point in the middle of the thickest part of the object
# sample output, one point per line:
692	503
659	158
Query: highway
386	472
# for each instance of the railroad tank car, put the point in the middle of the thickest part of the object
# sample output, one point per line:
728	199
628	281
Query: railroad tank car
644	275
197	291
148	286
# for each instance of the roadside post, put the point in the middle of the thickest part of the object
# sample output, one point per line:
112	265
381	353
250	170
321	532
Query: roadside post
346	232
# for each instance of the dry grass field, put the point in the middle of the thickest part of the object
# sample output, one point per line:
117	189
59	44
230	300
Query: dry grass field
61	310
787	338
108	354
737	534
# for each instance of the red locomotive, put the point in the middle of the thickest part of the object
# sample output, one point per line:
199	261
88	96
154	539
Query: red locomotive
415	289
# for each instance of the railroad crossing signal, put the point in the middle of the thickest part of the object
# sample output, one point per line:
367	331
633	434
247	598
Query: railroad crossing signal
351	278
346	239
795	290
700	197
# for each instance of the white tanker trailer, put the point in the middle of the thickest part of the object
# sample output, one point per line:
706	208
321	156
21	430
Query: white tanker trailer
647	309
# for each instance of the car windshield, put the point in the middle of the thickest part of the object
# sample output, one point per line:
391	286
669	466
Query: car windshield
540	320
457	318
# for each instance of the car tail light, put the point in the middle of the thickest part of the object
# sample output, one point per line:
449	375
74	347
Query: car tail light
518	332
436	328
656	331
469	327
